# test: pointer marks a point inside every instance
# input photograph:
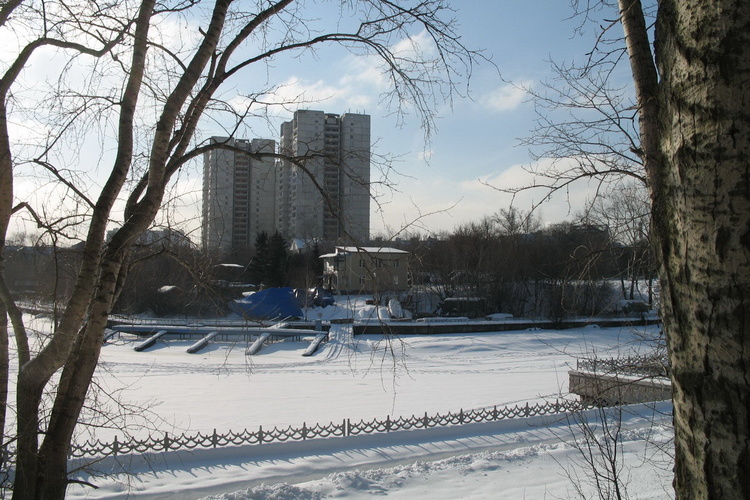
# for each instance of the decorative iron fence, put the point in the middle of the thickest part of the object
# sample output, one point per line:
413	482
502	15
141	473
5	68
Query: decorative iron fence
649	365
344	428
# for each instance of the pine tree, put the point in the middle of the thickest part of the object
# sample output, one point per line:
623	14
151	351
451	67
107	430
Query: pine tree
257	269
277	260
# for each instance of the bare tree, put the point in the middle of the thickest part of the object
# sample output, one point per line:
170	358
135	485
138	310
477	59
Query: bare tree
626	211
693	126
586	127
596	436
150	94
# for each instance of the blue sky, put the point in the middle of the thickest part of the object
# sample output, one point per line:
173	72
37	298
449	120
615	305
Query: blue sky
440	183
476	139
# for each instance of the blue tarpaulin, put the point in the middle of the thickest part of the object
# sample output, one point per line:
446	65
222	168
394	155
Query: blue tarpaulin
271	303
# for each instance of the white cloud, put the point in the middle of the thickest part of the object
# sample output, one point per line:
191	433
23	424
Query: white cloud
177	33
364	72
556	205
505	98
444	204
183	206
359	81
28	133
419	45
50	200
344	95
297	90
426	155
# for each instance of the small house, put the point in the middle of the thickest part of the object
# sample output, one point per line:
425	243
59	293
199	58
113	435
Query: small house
366	269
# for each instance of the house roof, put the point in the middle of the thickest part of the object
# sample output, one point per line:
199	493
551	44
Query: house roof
329	255
343	251
370	250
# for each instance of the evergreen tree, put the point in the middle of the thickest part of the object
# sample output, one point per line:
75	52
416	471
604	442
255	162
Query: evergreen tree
277	260
258	267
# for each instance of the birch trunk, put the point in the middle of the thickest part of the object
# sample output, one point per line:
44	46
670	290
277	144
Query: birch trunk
695	130
703	230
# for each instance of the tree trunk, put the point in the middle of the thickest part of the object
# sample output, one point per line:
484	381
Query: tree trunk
28	400
696	157
4	371
6	202
702	224
74	385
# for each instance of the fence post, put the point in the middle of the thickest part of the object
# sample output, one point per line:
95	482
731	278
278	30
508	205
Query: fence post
565	405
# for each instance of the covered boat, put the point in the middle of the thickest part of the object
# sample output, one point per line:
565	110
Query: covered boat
271	303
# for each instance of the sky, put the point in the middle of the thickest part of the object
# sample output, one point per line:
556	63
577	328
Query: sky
443	183
444	180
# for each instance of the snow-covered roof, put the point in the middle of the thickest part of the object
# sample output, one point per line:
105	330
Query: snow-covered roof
370	250
335	254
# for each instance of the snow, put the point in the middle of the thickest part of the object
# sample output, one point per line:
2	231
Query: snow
526	458
498	316
167	390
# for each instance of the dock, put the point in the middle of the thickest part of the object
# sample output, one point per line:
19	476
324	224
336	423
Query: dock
258	335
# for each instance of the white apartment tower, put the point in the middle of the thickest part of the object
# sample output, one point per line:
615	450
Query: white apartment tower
238	193
332	152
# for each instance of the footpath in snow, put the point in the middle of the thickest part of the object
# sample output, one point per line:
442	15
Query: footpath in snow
519	458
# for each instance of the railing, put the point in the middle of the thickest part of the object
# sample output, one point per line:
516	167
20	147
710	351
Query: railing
344	428
649	366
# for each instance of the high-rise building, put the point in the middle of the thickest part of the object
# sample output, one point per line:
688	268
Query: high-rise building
238	193
320	192
331	154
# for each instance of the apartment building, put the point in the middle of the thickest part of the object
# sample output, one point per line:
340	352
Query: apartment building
238	193
331	154
321	192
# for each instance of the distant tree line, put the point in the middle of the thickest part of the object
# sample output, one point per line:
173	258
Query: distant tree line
522	268
167	275
508	259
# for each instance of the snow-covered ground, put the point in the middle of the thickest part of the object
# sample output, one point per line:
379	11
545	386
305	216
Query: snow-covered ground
165	389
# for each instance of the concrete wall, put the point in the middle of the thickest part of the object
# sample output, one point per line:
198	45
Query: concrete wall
613	389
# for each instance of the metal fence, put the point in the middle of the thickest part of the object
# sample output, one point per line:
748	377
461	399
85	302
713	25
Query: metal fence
649	365
346	427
